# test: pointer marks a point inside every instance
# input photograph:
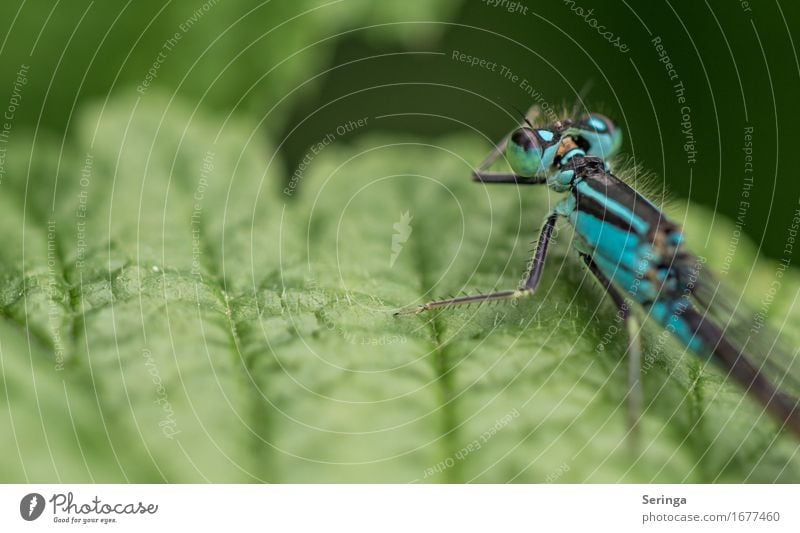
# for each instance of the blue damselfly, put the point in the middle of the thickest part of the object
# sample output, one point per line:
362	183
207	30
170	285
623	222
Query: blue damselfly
636	253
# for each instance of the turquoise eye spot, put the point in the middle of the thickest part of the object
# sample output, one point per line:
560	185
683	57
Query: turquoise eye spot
549	155
524	162
597	124
545	135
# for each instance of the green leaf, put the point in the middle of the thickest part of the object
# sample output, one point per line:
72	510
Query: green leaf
179	314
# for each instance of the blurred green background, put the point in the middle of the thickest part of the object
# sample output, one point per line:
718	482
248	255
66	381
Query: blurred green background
174	129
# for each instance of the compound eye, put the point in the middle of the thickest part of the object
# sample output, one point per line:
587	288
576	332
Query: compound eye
597	123
524	152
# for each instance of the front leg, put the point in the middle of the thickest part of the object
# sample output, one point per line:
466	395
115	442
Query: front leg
535	274
634	350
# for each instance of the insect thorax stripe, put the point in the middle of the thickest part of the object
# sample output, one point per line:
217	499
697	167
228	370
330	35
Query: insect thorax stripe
591	202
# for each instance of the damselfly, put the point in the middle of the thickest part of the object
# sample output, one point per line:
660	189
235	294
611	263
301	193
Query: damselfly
637	255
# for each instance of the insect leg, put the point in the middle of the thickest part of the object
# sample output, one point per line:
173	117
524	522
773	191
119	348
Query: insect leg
497	151
526	290
785	408
532	115
634	349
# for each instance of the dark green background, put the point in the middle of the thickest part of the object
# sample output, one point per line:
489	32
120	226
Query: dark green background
255	306
738	67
